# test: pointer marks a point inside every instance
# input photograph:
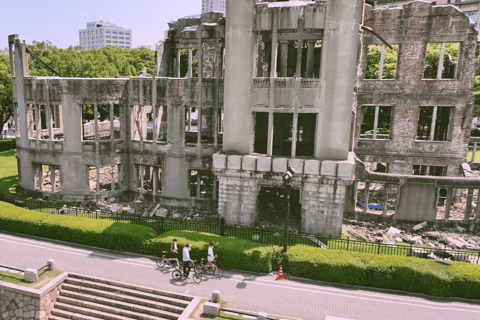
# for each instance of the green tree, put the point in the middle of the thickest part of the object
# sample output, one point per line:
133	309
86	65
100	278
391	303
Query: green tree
6	109
389	62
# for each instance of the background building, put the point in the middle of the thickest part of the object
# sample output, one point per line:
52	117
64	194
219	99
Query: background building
213	5
101	34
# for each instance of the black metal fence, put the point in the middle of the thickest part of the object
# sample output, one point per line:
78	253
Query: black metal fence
260	235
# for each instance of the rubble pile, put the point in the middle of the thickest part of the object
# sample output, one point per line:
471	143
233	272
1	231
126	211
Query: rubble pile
419	234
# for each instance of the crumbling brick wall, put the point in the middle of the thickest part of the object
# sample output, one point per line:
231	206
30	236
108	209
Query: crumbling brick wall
412	27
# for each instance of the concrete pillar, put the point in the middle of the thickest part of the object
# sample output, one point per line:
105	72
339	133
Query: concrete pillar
310	58
283	58
298	72
190	63
199	95
178	63
239	37
339	65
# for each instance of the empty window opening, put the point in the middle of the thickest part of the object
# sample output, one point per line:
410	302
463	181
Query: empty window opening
376	198
189	63
161	124
426	170
103	115
92	179
47	178
57	122
108	178
462	204
376	122
88	123
434	123
380	167
191	127
305	143
261	132
202	184
148	179
381	62
444	55
206	123
282	135
139	122
31	121
220	126
118	129
271	205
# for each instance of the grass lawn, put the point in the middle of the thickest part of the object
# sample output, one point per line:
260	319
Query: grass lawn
477	155
8	172
44	277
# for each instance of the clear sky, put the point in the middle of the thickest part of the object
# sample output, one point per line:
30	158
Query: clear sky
60	20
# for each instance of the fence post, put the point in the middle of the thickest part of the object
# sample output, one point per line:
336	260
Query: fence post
222	226
379	244
348	243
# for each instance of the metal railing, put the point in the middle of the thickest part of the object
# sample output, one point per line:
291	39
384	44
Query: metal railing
259	235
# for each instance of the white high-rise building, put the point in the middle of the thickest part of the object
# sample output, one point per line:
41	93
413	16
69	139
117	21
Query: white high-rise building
213	5
100	34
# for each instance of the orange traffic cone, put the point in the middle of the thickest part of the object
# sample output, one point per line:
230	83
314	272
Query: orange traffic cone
280	274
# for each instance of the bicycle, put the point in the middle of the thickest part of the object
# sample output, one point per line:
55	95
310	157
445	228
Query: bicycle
169	262
178	274
202	268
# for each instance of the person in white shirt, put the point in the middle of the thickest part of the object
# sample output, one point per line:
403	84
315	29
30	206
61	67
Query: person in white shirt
211	256
186	259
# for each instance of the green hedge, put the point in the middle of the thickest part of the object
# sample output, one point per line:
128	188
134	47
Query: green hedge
7	144
436	278
232	253
100	233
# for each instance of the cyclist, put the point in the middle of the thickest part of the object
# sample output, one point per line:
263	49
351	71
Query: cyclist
186	259
211	256
174	248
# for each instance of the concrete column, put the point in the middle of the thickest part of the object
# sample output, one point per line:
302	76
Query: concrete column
178	63
199	95
239	37
48	114
190	63
310	58
298	72
339	66
52	177
283	58
154	180
273	74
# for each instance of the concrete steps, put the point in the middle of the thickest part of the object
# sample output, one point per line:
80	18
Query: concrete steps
88	298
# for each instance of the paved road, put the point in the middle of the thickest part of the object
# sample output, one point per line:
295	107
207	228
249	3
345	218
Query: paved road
298	298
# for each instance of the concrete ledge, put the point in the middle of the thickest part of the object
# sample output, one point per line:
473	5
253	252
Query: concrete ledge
188	310
279	165
234	162
345	169
312	167
264	164
249	163
219	161
296	164
328	168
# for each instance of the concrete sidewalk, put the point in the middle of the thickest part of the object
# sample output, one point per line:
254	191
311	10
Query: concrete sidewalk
295	298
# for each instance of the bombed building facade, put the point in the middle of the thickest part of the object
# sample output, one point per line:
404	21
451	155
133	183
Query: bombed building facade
271	85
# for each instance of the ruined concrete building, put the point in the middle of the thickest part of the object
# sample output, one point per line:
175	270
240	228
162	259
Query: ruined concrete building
238	99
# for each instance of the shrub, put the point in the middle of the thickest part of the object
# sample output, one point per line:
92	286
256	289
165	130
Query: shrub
436	278
100	233
232	253
7	144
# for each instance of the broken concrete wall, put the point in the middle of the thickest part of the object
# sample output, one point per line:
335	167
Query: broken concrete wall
412	27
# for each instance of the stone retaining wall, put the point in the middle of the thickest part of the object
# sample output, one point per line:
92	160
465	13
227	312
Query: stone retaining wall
22	303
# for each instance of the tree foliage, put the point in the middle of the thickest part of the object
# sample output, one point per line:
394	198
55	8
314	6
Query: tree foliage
75	62
6	110
389	62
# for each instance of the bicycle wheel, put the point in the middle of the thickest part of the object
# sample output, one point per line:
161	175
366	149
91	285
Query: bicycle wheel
197	278
198	269
176	275
160	263
218	273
